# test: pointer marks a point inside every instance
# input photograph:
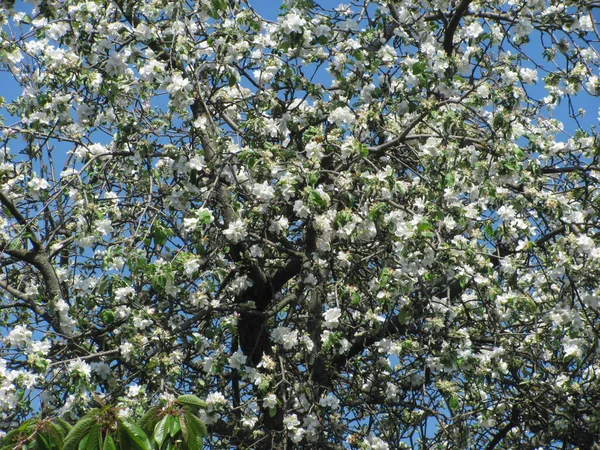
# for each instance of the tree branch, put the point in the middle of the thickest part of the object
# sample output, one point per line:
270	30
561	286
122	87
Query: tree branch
8	204
505	429
460	11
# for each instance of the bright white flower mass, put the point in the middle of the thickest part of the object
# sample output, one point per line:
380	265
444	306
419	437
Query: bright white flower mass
341	116
80	368
292	23
362	225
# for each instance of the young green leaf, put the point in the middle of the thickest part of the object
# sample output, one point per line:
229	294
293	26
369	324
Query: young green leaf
136	434
197	424
160	431
109	444
149	419
41	442
191	400
93	438
79	430
173	425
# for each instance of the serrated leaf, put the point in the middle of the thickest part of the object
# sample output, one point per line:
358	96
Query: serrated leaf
57	433
83	442
136	434
196	431
41	442
149	419
198	425
109	444
184	428
160	431
191	400
93	440
173	425
79	430
66	426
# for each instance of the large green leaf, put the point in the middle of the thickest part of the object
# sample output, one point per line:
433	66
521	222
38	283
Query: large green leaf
149	419
160	431
173	425
41	442
109	444
79	430
191	400
136	434
57	434
93	440
196	431
83	442
66	426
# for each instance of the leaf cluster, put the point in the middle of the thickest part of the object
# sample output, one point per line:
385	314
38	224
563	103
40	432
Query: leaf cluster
176	426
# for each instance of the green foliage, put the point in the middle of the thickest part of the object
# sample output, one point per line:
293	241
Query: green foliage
173	426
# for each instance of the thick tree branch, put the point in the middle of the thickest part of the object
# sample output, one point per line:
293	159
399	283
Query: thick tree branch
39	259
10	206
459	12
504	430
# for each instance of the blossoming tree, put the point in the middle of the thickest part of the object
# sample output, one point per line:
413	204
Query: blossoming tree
358	226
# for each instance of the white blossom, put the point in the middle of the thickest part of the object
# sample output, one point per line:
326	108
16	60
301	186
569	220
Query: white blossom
332	317
237	360
340	116
236	231
270	401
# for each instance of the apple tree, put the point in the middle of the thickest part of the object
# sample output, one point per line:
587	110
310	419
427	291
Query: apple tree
371	225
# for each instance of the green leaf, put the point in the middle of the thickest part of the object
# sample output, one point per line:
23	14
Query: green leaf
27	425
173	425
453	402
160	431
404	316
149	419
109	444
449	178
384	277
83	442
136	434
424	226
66	426
57	434
41	442
108	316
191	400
196	431
217	6
419	67
93	439
195	421
205	217
79	430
